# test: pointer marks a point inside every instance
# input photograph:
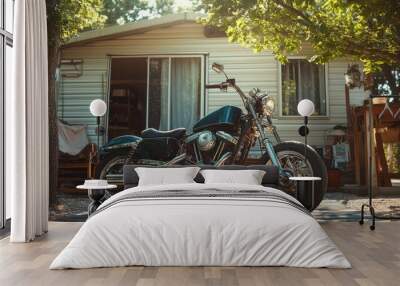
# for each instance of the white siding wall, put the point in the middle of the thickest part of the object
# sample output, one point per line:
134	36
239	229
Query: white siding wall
75	94
249	69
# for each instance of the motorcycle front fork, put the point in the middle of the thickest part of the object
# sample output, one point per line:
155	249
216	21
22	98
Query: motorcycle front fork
274	158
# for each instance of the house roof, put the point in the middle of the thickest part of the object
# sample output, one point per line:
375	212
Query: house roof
132	28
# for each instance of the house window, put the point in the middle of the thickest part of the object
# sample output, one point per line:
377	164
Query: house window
303	80
161	92
174	92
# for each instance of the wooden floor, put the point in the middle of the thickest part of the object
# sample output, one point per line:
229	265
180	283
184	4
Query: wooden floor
375	257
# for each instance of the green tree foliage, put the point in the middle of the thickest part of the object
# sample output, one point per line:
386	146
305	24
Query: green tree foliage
192	6
386	81
366	30
163	7
125	11
69	17
197	6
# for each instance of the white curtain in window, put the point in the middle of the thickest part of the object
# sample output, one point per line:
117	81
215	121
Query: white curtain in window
312	85
158	93
302	79
185	92
27	124
164	94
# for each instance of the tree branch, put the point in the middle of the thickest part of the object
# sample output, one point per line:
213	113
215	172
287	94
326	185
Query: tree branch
295	11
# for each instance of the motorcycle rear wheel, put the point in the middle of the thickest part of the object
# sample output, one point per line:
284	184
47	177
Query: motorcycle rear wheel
111	165
291	156
110	168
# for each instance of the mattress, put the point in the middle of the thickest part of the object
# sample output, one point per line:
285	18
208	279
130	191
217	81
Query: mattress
201	225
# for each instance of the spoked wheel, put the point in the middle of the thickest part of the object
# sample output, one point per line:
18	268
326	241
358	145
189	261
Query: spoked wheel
110	168
291	157
294	163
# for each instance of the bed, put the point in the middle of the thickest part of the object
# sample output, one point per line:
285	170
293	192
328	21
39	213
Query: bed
197	224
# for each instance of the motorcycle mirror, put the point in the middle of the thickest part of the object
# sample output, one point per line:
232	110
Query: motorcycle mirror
218	68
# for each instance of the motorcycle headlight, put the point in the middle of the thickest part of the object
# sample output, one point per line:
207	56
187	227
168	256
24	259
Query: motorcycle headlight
268	105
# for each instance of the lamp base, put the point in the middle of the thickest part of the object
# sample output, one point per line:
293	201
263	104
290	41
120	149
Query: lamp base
304	195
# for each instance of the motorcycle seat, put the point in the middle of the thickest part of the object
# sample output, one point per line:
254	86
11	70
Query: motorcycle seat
177	133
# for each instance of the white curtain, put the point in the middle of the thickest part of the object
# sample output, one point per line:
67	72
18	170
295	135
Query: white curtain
164	94
302	79
185	92
158	93
312	85
27	124
182	105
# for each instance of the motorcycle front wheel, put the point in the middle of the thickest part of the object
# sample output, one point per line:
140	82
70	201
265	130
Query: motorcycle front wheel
291	157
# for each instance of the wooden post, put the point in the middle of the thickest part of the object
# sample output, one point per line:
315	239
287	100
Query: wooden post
357	146
370	139
382	168
350	134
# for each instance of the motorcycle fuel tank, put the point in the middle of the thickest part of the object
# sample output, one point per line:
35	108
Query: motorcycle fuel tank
225	118
121	141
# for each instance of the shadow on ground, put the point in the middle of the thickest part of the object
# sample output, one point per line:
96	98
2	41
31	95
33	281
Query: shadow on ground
335	206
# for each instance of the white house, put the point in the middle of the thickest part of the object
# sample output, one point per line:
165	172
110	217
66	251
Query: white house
152	73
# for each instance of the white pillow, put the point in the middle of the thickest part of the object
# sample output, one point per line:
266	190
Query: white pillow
166	176
248	177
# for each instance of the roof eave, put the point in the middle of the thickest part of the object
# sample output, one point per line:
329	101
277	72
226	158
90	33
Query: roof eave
131	28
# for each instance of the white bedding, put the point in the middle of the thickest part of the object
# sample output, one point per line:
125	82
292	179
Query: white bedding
191	231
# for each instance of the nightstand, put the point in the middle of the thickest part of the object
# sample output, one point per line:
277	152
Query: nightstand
96	192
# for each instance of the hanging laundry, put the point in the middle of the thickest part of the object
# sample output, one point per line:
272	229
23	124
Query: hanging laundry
72	139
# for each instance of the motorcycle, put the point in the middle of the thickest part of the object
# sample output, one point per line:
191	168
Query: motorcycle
223	137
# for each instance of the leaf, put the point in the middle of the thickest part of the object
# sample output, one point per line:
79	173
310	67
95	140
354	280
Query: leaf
364	30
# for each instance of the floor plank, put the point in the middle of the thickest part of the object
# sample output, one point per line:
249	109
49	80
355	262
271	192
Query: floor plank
375	256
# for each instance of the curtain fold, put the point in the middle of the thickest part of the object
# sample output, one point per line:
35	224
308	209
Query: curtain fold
185	92
158	93
164	94
27	124
174	92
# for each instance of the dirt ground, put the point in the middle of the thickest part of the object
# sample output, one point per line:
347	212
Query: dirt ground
335	206
346	206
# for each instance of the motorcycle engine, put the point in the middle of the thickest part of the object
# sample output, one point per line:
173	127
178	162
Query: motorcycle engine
206	140
209	147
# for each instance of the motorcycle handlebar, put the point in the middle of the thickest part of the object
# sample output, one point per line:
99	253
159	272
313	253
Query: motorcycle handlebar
222	85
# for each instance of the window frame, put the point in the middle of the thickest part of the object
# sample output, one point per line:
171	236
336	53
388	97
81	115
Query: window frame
6	39
326	73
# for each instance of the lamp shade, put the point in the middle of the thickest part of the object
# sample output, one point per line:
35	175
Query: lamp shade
305	107
98	107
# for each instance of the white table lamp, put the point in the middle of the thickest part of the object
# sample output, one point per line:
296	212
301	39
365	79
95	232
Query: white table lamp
98	108
305	108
